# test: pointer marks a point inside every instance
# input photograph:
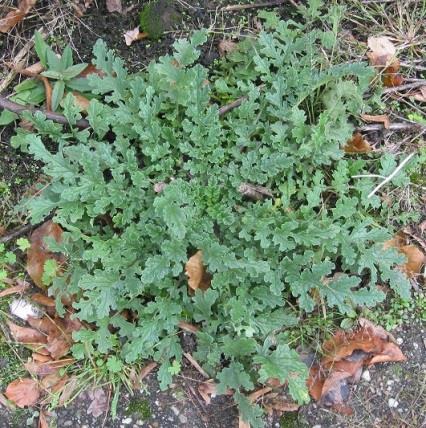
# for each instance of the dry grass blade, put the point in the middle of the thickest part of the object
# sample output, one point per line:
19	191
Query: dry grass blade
194	363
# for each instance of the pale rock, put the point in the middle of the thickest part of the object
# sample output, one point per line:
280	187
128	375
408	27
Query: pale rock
366	375
392	403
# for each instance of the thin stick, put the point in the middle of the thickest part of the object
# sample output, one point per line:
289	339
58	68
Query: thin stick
56	117
257	5
389	178
412	85
228	107
392	127
22	230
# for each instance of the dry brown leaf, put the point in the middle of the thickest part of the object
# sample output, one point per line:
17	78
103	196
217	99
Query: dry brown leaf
15	289
58	347
68	390
146	370
198	277
190	328
46	325
39	369
114	6
254	396
42	420
91	69
99	402
33	69
16	16
421	95
207	390
38	253
357	144
380	118
344	356
382	51
280	405
81	101
226	46
23	392
134	35
42	299
50	380
39	358
26	335
391	77
415	257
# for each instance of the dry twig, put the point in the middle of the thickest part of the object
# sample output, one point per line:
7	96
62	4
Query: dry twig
271	3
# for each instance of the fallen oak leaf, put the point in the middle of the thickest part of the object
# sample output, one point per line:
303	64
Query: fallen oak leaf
16	16
134	35
26	335
99	403
357	144
198	277
379	118
114	6
23	392
38	252
58	347
382	51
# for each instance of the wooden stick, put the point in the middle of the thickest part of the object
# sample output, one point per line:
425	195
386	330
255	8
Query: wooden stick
392	127
412	85
56	117
271	3
389	178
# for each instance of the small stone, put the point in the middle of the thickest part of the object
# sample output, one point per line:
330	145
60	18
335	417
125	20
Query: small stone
127	421
366	375
316	426
67	423
175	410
399	340
415	345
392	403
390	382
183	419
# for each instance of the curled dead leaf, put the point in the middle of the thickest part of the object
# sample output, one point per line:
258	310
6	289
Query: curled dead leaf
15	289
114	6
146	370
357	144
207	390
58	347
26	335
38	253
380	118
198	277
226	46
99	403
81	101
257	193
16	16
382	51
134	35
420	95
23	392
42	299
190	328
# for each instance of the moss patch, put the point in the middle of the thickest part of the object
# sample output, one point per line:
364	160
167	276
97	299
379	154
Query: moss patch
138	407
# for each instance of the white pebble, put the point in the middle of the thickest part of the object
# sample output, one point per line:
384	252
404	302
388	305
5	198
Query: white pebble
127	421
366	375
316	426
399	340
392	403
390	382
415	345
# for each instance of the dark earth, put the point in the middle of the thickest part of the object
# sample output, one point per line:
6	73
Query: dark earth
388	395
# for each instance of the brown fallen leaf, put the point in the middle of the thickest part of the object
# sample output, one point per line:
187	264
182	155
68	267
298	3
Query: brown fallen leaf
42	299
47	325
280	405
39	358
50	380
91	69
38	253
415	257
15	289
16	16
190	328
391	77
357	144
146	370
114	6
380	118
42	420
99	403
198	277
344	356
134	35
81	101
420	95
254	396
207	390
68	390
35	368
26	335
383	51
226	46
32	70
23	392
58	347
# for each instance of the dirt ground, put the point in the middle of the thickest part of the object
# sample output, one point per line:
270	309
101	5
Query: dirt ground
389	395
